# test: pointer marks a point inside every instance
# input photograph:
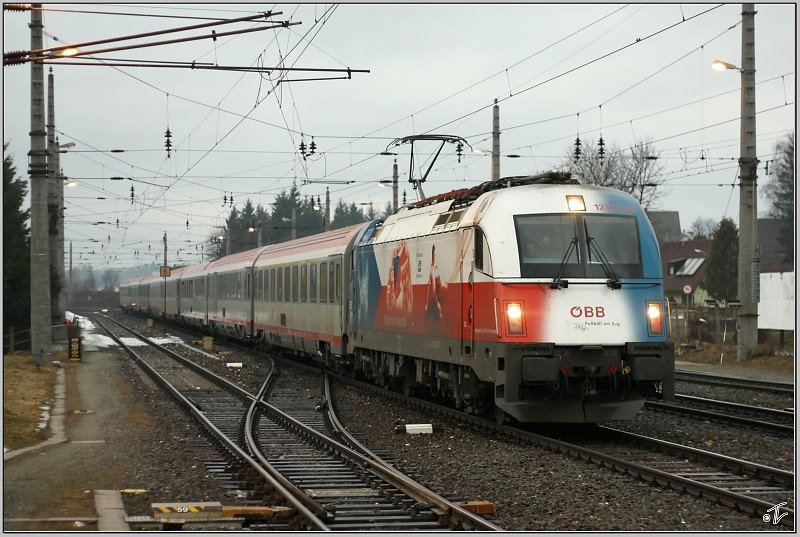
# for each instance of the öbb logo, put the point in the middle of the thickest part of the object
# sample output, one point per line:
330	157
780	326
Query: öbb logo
587	311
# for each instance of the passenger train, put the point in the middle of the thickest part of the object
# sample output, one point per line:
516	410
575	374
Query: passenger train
535	299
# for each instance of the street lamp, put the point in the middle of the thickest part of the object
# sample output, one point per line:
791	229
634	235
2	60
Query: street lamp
719	65
252	228
748	263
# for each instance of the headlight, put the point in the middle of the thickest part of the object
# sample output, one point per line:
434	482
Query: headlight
655	325
514	316
576	203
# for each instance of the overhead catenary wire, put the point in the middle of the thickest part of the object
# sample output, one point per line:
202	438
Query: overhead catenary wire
237	193
39	54
576	68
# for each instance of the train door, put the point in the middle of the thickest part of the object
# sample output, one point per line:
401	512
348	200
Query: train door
335	286
251	294
206	290
467	277
213	289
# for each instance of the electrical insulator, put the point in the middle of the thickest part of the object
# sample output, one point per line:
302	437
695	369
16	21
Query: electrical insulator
117	223
577	148
231	199
303	148
168	143
225	199
602	151
312	147
187	224
132	194
459	151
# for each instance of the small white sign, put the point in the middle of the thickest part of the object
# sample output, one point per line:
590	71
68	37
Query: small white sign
687	289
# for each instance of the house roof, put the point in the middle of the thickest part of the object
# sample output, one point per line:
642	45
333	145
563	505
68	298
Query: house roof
666	224
692	271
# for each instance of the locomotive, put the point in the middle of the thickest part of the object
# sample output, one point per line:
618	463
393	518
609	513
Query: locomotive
532	298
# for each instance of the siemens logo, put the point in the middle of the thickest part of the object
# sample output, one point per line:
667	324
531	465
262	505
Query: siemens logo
648	347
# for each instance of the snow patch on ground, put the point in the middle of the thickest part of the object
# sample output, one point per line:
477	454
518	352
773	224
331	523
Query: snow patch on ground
90	337
45	418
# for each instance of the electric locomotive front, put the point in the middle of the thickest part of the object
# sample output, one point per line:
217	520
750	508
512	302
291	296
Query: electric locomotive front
569	307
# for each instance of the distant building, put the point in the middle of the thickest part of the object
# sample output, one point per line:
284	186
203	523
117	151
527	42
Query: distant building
773	256
666	224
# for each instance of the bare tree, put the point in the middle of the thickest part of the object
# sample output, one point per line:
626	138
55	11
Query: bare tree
634	170
593	169
90	282
703	228
110	279
779	191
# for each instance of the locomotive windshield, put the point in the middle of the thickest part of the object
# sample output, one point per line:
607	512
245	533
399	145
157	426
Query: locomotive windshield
544	245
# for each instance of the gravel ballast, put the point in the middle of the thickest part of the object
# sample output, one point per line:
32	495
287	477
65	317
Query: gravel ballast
532	488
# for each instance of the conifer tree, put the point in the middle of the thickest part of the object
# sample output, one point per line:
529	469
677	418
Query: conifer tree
721	278
16	248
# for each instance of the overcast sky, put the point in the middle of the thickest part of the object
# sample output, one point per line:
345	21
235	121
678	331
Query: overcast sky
630	72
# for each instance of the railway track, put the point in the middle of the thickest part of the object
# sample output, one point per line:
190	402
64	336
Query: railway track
744	486
769	419
748	487
327	485
733	382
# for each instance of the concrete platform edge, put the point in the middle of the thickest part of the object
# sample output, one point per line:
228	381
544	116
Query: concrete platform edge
110	511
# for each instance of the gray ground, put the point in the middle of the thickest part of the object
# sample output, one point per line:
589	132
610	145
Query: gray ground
122	434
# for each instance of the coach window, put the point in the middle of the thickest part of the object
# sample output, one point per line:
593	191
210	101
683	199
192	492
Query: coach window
263	292
286	284
272	280
303	283
323	282
279	298
312	280
295	284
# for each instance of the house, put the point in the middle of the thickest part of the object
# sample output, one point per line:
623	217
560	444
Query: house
771	252
684	266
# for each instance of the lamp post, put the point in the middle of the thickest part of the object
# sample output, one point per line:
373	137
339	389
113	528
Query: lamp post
252	229
748	281
393	182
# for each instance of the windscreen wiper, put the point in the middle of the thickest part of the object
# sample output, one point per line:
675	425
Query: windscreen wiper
557	282
613	281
